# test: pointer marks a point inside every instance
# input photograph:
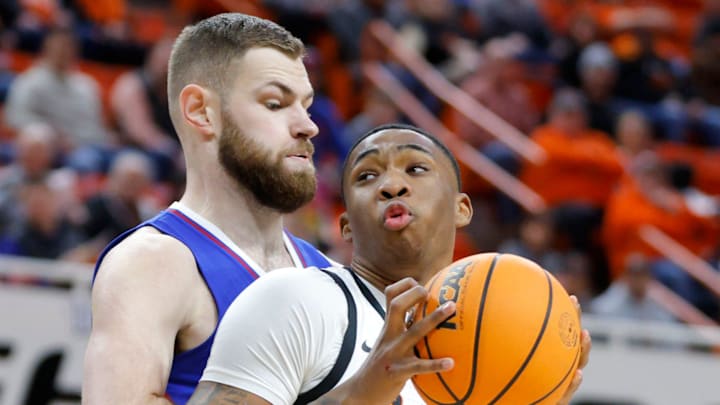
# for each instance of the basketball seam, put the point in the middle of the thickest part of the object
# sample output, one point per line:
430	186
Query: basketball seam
490	272
430	356
478	325
567	373
535	345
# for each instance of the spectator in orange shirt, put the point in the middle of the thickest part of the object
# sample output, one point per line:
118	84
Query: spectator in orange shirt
648	199
581	169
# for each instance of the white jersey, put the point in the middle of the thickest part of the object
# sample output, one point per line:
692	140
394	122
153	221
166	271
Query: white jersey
294	334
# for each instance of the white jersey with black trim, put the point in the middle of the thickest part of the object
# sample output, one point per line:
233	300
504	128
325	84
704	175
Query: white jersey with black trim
294	334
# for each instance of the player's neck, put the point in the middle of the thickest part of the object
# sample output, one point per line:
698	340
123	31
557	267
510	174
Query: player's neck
254	228
387	273
365	270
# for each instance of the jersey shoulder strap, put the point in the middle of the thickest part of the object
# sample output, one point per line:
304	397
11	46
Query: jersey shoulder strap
346	350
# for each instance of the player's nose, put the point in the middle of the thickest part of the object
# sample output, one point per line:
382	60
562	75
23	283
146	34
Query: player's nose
393	185
303	126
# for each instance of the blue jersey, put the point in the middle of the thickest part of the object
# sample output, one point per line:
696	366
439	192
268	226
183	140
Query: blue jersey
226	275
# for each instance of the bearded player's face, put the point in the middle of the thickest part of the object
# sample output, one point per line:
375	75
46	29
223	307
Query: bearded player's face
265	141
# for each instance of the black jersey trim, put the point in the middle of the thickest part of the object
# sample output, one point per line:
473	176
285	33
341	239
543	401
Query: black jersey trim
367	294
346	350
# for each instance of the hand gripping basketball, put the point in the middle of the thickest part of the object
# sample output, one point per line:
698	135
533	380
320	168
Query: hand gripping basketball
392	360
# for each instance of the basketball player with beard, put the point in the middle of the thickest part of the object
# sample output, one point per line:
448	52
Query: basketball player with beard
334	328
238	96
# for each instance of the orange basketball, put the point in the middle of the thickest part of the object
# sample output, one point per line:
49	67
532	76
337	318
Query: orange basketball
515	335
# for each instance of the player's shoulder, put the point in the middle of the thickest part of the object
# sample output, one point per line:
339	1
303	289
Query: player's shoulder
291	286
148	254
299	278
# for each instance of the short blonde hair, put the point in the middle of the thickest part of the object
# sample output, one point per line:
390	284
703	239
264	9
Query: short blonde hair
204	52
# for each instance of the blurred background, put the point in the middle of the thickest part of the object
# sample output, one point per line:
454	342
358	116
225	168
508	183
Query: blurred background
588	133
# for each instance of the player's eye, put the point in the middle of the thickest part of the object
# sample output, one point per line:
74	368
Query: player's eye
366	175
417	169
272	105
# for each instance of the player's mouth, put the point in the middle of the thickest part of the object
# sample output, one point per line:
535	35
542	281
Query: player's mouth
397	216
302	152
301	156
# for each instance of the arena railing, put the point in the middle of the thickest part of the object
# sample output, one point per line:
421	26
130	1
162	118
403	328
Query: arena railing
680	255
456	97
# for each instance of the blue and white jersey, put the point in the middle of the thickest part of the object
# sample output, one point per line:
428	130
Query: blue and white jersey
227	271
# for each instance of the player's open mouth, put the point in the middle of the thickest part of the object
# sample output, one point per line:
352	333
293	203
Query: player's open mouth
397	216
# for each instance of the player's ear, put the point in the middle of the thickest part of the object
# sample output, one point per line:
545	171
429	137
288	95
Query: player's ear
463	210
196	109
345	230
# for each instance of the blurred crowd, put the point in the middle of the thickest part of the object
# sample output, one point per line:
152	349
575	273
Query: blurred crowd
622	95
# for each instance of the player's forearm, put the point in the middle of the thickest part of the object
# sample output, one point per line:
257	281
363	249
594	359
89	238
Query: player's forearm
113	378
103	388
210	393
105	398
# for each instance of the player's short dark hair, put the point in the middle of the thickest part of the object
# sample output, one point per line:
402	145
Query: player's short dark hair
203	53
433	138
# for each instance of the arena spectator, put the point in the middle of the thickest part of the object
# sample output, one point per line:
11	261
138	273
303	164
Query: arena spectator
709	25
648	198
138	100
704	103
634	134
123	203
597	69
581	169
504	17
44	229
567	47
498	86
378	109
628	296
647	83
576	275
55	92
348	20
536	241
682	178
35	155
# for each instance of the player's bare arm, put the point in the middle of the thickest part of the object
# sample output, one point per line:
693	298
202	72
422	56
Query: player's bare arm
145	295
220	394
